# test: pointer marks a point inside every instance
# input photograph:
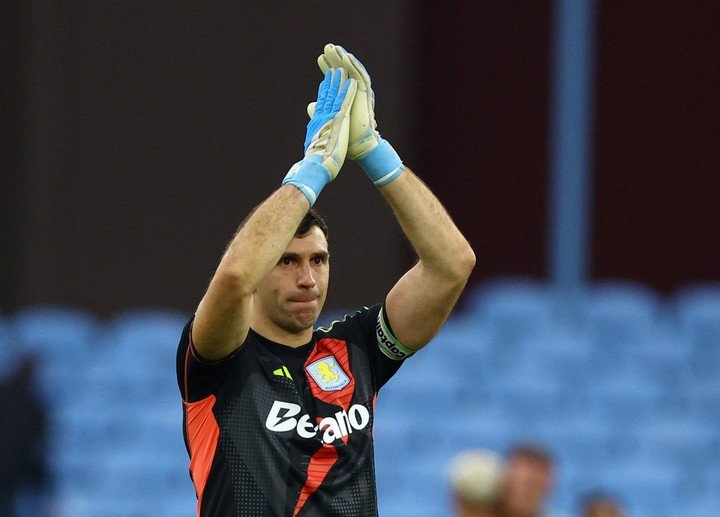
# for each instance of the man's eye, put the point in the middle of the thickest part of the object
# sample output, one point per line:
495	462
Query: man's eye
286	261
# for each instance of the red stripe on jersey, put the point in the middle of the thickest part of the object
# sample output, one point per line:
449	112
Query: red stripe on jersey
319	466
337	348
203	433
322	461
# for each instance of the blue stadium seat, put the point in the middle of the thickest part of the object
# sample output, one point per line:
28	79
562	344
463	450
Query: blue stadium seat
626	396
393	505
525	400
161	505
84	430
148	337
136	363
61	339
703	399
483	429
161	431
180	504
617	315
663	357
413	391
398	436
649	488
581	440
561	357
683	441
58	331
706	506
698	313
712	479
416	487
137	476
457	350
459	354
625	399
512	308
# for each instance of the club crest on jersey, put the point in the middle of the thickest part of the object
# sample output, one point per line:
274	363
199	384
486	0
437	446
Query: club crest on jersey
328	375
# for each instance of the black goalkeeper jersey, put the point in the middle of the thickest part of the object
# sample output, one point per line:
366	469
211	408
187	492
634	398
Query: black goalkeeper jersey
273	430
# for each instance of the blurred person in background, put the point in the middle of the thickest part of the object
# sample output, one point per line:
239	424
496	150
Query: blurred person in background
601	504
475	479
22	440
527	482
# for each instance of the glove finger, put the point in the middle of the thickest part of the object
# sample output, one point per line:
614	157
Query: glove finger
363	78
339	75
341	52
322	63
349	95
342	94
332	57
340	126
311	109
323	90
328	48
352	63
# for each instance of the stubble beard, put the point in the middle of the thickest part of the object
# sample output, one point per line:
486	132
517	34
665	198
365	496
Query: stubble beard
297	322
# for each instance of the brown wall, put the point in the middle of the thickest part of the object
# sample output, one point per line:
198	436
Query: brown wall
152	129
485	138
657	188
136	136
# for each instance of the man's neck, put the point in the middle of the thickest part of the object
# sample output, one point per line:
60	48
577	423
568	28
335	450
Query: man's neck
279	335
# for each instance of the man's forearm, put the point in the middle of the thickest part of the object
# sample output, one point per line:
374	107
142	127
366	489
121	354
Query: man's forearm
261	241
225	313
439	244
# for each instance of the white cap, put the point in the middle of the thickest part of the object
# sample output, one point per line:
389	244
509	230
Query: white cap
475	475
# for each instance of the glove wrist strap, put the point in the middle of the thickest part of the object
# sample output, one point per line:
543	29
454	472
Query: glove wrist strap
382	164
309	176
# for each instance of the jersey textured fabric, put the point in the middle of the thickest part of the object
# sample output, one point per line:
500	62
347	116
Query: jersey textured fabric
273	430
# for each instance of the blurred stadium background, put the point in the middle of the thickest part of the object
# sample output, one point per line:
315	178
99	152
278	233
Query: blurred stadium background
574	142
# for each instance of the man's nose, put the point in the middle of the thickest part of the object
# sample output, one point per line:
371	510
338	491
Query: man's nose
306	277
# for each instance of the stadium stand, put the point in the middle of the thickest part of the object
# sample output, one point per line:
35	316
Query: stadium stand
621	385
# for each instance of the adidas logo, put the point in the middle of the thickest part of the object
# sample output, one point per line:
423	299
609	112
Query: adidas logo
282	372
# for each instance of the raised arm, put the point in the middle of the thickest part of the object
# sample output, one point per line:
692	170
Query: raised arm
223	316
419	303
421	300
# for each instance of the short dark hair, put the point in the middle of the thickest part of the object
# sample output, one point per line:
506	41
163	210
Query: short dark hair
532	452
312	218
599	496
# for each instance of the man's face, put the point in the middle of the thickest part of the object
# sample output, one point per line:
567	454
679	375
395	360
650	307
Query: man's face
292	295
526	484
607	508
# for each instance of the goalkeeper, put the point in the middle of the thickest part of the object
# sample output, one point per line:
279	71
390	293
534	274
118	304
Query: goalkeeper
278	416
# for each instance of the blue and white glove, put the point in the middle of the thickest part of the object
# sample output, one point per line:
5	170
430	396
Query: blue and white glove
326	138
374	154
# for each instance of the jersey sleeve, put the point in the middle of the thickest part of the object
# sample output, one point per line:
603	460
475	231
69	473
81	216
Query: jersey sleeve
198	378
385	351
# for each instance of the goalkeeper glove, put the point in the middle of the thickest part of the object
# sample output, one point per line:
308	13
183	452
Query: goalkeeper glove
326	138
374	154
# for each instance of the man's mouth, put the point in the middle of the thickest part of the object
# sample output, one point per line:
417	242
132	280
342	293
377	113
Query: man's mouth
303	299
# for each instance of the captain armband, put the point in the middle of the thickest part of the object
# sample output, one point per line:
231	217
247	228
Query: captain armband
389	344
